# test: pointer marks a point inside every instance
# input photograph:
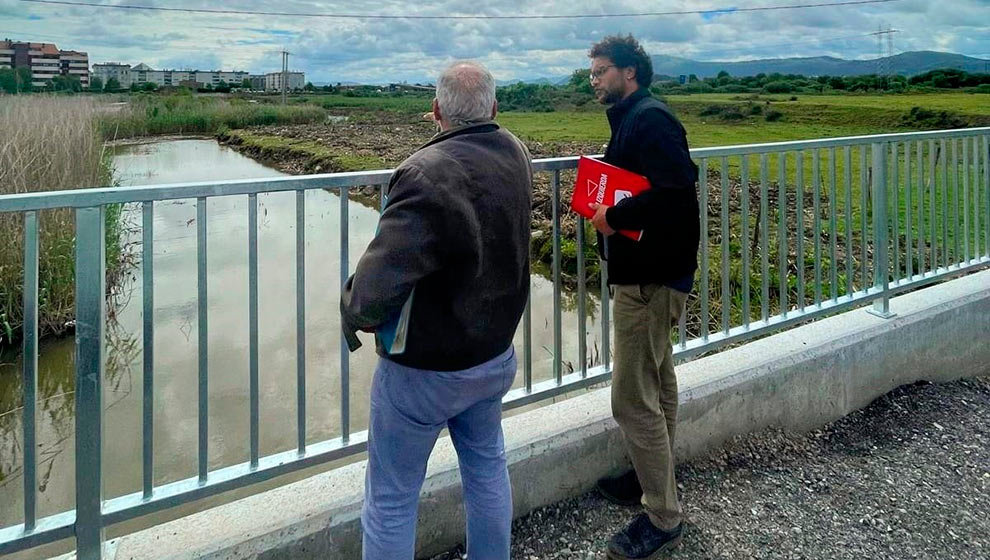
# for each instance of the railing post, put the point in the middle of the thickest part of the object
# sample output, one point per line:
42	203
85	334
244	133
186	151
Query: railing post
90	314
29	359
557	336
881	274
345	355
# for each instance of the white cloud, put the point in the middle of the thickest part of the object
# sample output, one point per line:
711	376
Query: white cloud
381	50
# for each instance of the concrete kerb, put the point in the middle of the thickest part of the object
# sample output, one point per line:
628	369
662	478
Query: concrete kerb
796	380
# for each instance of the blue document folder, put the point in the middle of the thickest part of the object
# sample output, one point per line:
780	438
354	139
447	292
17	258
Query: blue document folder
392	334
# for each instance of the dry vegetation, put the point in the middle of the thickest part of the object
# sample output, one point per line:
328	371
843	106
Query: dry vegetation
48	143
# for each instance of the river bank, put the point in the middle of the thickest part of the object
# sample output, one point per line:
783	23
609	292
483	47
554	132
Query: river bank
385	141
363	142
31	160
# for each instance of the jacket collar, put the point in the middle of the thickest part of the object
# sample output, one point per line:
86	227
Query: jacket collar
487	126
619	110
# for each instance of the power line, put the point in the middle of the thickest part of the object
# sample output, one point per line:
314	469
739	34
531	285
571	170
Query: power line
716	11
884	62
88	43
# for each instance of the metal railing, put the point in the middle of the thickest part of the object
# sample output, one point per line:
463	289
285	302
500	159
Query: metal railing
887	213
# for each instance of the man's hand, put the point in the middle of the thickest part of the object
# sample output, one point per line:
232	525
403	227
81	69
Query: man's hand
599	218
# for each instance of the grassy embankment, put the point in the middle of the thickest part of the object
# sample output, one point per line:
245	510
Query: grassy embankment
148	115
715	120
48	144
316	157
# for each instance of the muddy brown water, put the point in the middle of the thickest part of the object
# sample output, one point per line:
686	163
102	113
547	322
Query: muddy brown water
176	358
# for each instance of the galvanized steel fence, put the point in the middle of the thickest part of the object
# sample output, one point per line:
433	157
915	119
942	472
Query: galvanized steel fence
790	231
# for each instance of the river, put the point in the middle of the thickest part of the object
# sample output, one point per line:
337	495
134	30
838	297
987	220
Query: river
176	374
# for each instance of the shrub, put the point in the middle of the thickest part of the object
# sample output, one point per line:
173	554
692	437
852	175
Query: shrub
926	118
732	88
778	87
756	110
187	114
920	114
698	87
773	116
732	114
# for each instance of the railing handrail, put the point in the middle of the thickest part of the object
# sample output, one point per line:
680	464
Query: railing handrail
81	198
881	158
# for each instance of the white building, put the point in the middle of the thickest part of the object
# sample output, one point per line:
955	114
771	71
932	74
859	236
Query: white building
143	74
115	70
295	80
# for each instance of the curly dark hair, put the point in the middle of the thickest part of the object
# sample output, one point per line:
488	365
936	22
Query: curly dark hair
625	52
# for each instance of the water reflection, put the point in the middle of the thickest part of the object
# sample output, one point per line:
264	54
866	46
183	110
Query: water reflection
176	335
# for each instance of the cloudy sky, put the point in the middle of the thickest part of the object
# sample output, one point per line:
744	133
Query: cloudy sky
384	50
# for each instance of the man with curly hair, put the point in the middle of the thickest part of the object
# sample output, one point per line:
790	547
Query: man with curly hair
650	281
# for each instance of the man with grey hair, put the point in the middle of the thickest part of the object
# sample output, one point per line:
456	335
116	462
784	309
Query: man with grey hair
443	285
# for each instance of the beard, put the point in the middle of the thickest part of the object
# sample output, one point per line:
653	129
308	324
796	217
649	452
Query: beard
608	96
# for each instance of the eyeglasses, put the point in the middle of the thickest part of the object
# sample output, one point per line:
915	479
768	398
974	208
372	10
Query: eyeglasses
596	74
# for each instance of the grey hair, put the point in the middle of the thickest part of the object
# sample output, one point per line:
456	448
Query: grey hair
466	93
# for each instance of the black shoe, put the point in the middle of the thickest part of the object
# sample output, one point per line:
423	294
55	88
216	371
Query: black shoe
642	540
623	490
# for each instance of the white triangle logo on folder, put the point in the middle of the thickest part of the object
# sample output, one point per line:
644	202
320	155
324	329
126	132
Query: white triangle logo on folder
592	187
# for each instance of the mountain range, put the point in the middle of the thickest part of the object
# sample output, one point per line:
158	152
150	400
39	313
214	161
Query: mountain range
906	64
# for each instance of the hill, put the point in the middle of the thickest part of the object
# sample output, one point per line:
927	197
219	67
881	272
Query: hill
905	64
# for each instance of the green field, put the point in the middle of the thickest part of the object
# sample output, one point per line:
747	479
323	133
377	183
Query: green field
417	104
937	217
811	116
962	102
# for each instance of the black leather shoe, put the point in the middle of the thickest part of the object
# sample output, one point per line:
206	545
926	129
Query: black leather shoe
642	540
623	490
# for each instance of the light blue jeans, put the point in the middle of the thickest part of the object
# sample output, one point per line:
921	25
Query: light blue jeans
409	408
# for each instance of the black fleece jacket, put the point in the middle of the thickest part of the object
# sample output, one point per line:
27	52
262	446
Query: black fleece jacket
648	139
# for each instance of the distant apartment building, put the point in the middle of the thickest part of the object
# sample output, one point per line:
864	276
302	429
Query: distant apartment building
143	74
113	70
257	82
294	80
45	61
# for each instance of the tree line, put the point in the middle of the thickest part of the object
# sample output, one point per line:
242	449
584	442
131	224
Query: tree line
577	91
945	78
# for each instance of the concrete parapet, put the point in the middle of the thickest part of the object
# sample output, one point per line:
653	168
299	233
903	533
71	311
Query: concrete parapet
796	380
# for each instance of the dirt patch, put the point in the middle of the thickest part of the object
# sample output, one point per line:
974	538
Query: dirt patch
389	138
384	139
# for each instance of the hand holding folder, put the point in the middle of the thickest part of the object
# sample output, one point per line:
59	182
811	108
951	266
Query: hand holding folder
601	183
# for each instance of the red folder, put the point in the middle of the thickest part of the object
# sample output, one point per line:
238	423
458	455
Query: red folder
606	184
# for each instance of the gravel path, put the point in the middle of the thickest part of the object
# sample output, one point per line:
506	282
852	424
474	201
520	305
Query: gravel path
906	477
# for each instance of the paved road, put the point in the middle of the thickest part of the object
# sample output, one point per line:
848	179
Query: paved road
907	477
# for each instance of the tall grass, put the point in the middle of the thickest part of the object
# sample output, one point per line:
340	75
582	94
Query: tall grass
146	115
48	143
